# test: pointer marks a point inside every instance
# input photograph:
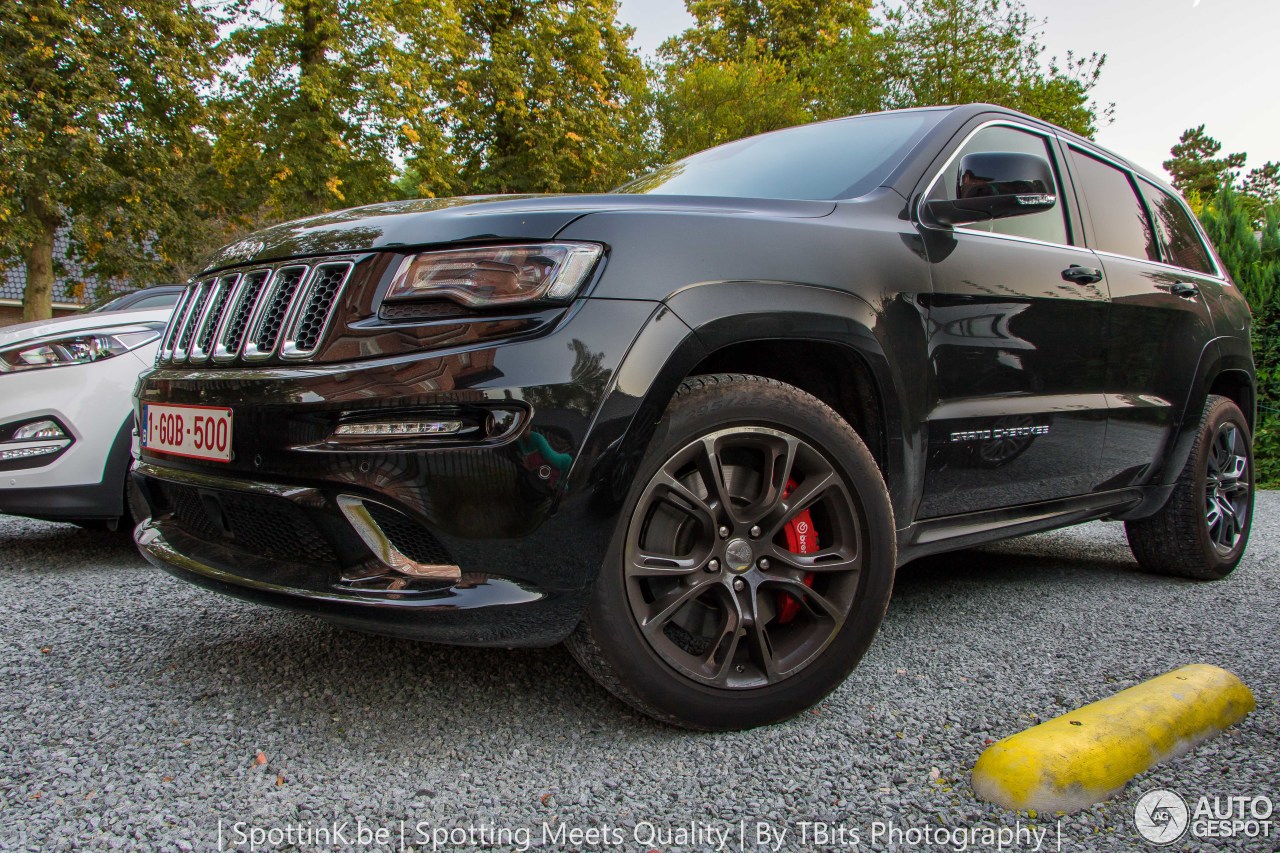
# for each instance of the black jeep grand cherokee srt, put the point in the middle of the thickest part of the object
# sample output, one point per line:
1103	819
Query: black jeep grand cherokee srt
693	426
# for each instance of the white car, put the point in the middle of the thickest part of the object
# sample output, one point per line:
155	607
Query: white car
66	408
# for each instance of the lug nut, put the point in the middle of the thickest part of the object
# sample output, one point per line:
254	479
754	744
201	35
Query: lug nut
724	532
763	563
713	566
755	531
739	584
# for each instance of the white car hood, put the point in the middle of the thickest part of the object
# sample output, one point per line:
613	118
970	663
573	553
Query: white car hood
81	323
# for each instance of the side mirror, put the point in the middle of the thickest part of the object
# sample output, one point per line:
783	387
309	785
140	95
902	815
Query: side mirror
996	186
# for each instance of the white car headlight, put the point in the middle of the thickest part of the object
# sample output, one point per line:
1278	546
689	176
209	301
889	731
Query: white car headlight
75	348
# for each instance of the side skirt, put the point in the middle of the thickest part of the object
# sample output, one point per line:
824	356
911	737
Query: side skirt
952	532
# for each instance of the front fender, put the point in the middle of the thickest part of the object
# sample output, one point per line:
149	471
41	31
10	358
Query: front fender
699	320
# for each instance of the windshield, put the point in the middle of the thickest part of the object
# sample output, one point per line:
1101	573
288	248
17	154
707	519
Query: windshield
109	303
845	158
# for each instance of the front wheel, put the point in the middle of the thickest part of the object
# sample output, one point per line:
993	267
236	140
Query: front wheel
753	563
1202	530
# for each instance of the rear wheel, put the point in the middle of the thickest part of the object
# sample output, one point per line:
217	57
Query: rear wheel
753	565
1202	531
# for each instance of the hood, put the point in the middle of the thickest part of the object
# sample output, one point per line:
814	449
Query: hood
424	222
81	323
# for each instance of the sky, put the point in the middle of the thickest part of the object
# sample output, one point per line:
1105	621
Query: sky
1171	65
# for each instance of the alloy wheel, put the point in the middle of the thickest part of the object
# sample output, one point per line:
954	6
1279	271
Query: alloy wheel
743	557
1227	488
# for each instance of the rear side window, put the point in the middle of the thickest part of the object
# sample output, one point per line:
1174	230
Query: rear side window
1120	223
1049	226
1181	241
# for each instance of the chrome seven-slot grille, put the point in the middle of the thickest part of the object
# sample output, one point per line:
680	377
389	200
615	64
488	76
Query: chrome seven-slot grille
255	314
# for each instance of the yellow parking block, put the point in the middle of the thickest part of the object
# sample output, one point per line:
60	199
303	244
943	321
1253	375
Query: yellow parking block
1085	756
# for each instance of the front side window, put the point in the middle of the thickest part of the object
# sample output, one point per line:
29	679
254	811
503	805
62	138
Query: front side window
1181	241
1049	226
1120	223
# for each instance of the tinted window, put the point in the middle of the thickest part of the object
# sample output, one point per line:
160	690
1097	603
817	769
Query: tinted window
1120	223
845	158
1181	241
1049	225
159	300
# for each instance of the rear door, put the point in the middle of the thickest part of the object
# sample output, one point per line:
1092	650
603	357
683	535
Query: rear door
1156	266
1017	412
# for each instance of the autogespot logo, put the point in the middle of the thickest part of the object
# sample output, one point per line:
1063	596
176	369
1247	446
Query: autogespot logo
1161	816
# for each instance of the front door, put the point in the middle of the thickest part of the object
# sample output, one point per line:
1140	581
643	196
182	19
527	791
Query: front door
1017	350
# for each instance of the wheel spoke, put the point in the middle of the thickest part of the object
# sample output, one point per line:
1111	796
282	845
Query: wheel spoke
805	495
643	564
761	648
709	469
835	559
730	630
661	611
817	604
776	472
667	488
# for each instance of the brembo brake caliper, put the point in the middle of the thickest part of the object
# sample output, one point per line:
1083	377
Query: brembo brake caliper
801	539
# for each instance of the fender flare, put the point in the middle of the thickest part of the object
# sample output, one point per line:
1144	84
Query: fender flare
692	324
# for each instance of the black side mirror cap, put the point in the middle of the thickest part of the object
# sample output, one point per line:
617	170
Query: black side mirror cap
996	185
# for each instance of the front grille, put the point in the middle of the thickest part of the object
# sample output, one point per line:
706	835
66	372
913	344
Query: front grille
257	524
408	537
278	311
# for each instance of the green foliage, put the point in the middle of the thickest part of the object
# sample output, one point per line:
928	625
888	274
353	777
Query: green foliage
1254	265
319	96
1195	167
544	97
710	103
103	129
962	51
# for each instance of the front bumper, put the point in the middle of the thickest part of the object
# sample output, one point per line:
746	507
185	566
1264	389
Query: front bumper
91	401
516	520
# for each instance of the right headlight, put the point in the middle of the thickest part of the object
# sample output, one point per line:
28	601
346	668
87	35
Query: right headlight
75	348
496	275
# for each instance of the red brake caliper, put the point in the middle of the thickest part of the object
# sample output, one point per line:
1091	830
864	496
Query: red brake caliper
801	539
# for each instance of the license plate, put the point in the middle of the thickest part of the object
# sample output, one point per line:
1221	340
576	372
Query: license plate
197	432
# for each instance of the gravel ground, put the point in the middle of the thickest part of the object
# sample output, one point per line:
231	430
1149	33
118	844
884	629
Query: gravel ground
140	713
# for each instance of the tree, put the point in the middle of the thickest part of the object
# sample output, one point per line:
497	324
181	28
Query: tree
750	66
1195	167
319	96
544	97
102	131
708	103
962	51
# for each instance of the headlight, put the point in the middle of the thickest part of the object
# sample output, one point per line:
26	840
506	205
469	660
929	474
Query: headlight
496	275
79	348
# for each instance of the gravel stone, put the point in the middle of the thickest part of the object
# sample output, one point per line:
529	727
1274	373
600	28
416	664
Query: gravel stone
134	707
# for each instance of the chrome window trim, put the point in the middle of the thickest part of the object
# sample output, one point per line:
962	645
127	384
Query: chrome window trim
249	350
1016	125
289	348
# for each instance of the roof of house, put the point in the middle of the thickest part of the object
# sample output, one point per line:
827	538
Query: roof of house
72	285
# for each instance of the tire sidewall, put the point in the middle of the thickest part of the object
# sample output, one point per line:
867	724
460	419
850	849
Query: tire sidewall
652	680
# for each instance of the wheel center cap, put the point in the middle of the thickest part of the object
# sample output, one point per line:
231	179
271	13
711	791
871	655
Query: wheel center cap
738	555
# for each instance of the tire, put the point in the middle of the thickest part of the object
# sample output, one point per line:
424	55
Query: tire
1202	530
718	607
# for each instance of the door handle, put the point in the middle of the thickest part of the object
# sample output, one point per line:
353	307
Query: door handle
1077	274
1185	289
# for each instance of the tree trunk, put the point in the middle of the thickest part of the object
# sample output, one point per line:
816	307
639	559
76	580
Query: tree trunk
37	298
